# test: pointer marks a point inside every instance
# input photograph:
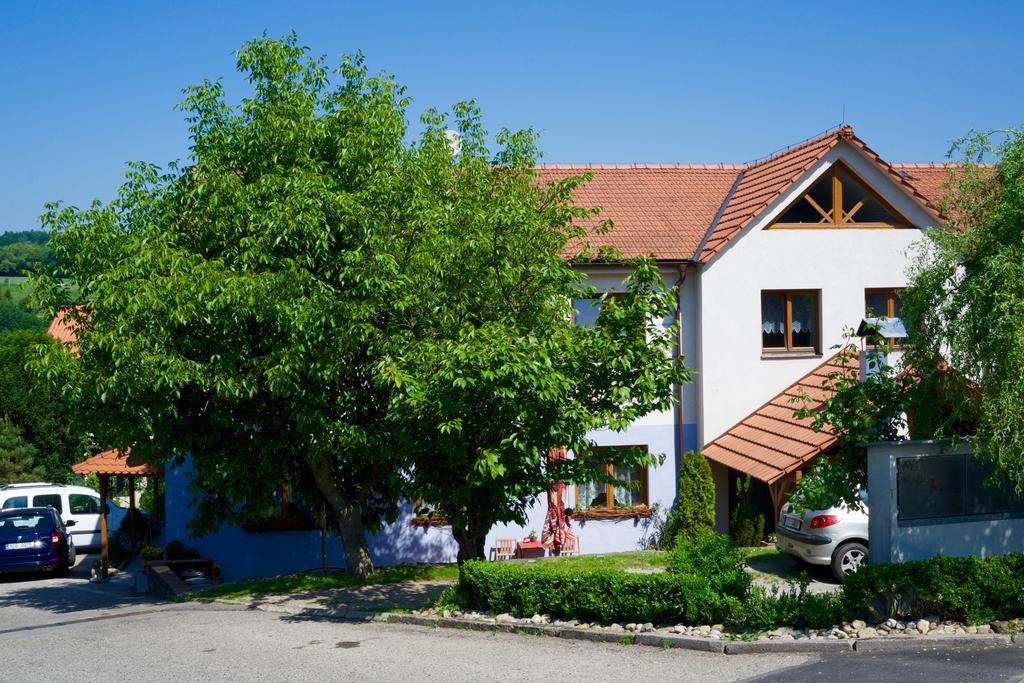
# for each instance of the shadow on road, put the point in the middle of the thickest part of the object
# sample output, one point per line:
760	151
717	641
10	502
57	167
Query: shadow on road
65	595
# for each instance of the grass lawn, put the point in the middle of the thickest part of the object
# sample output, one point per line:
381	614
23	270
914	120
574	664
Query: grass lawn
295	583
644	560
648	560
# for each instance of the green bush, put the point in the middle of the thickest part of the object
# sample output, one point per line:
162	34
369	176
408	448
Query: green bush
795	606
152	552
714	557
694	510
964	588
593	594
746	524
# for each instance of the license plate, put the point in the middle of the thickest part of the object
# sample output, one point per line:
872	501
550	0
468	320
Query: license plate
20	546
792	522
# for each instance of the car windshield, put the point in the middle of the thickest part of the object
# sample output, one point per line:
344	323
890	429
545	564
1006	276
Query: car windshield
25	522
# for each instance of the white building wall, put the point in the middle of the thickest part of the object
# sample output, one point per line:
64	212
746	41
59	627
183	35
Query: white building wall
657	431
736	377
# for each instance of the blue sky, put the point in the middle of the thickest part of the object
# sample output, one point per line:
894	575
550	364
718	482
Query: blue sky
86	87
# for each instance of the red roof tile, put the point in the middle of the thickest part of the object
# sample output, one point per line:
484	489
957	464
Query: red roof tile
771	442
63	328
112	462
669	210
656	209
764	181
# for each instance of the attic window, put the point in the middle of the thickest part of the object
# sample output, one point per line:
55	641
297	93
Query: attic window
838	199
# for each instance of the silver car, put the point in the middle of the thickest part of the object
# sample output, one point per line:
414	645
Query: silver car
836	537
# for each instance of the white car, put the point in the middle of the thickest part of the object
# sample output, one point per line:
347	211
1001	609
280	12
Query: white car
77	504
836	537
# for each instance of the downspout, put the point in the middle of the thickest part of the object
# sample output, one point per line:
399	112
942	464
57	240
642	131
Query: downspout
679	355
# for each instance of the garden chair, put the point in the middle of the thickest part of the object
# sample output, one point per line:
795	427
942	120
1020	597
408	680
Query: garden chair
504	549
570	547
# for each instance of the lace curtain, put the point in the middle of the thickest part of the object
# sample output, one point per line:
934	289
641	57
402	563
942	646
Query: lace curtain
773	315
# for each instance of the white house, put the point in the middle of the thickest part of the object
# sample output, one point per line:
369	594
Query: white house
771	260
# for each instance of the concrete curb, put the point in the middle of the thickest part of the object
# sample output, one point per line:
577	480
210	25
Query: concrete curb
665	640
909	643
684	642
752	647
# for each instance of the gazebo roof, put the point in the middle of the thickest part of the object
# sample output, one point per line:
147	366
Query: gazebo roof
113	462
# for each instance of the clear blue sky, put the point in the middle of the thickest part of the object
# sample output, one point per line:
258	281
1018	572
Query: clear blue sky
86	87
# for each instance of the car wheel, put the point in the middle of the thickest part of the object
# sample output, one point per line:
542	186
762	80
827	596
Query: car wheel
848	558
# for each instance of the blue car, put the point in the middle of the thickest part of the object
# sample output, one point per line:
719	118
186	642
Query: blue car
35	539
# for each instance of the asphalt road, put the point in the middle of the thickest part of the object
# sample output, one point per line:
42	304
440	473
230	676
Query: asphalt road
55	628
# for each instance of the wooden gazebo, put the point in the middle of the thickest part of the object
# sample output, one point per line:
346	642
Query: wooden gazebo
108	464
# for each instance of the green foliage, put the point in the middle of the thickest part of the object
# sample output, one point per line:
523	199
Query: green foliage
966	303
152	552
693	513
17	457
38	408
858	410
746	523
315	298
793	606
965	588
21	251
715	557
592	595
14	315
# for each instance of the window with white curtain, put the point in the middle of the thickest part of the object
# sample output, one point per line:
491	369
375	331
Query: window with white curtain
790	321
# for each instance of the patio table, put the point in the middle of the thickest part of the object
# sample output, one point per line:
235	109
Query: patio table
529	549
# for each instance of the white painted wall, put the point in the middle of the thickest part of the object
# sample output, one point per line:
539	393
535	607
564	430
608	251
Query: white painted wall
736	379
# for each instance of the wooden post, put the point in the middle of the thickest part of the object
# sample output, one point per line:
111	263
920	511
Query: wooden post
131	508
105	553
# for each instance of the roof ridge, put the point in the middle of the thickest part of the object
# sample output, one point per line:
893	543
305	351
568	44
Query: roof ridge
644	166
841	131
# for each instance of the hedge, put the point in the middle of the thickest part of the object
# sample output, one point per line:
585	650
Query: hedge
963	588
604	595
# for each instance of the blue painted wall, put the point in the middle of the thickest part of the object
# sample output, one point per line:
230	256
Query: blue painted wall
244	555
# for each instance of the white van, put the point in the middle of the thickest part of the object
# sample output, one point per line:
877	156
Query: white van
74	503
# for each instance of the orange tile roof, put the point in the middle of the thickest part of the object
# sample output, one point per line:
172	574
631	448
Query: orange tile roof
64	328
112	462
928	179
771	442
669	209
764	181
657	209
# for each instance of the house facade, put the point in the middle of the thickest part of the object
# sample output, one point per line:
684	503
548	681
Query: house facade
771	261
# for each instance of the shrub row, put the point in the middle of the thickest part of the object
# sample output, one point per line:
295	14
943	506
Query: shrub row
592	594
963	588
706	583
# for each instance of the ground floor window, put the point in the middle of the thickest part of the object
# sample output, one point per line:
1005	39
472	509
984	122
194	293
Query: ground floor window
627	497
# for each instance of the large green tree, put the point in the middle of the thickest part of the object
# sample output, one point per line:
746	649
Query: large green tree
488	370
313	297
232	306
966	304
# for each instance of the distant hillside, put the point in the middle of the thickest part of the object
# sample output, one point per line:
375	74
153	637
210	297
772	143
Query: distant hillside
20	251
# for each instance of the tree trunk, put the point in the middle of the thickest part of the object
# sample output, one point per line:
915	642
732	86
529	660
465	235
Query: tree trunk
471	541
349	517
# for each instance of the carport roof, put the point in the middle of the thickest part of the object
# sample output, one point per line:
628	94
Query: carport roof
772	442
114	463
